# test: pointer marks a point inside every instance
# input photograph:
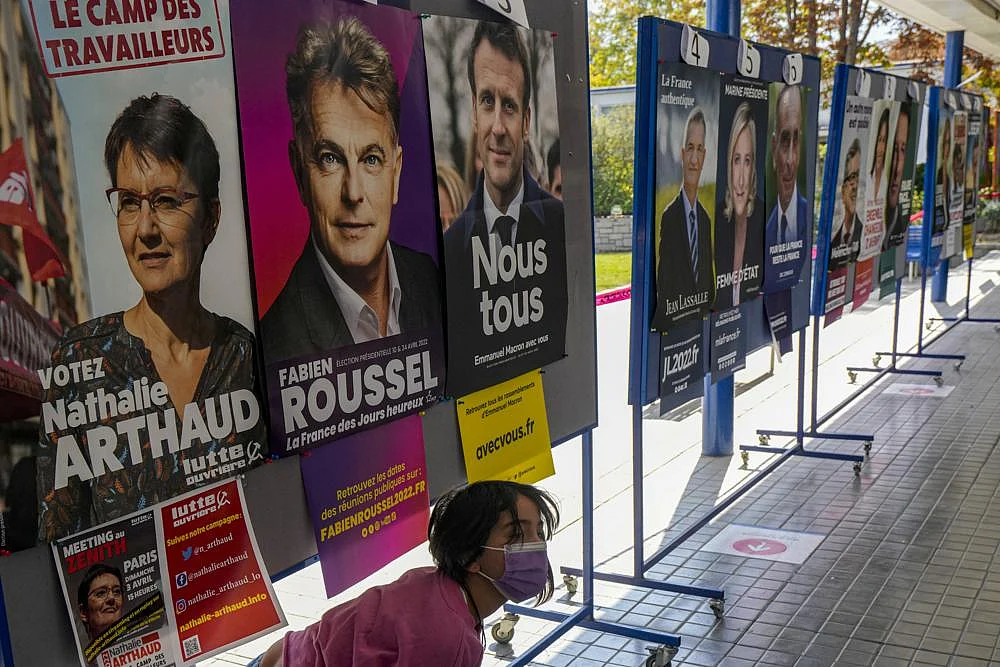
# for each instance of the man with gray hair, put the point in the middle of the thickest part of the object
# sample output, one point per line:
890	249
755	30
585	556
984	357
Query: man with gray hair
685	275
846	241
786	236
350	284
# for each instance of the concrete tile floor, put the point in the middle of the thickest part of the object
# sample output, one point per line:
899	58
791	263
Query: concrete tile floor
909	570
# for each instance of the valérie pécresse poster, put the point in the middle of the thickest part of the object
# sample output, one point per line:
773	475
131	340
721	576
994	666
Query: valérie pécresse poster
495	120
132	180
167	586
343	226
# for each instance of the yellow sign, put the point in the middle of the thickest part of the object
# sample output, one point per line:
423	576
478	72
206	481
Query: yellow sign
505	431
967	235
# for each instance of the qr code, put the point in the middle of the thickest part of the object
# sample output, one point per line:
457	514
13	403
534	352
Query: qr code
192	646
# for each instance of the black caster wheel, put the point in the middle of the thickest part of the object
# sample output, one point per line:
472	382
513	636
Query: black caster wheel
660	656
500	636
857	469
503	631
745	457
572	585
852	377
876	360
764	440
868	448
929	326
718	608
938	381
958	365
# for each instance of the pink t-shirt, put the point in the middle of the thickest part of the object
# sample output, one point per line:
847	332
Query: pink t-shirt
419	620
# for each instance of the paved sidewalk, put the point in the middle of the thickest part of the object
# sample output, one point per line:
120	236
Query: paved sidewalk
905	571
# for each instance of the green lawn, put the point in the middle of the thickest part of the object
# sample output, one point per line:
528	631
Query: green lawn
614	269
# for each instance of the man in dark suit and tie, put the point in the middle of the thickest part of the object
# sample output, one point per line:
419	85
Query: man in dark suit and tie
350	284
685	273
846	242
505	255
786	235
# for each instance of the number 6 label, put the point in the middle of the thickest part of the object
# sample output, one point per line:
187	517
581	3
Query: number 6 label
512	9
694	47
791	69
748	60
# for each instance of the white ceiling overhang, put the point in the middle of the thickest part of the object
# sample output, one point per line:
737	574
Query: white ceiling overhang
980	19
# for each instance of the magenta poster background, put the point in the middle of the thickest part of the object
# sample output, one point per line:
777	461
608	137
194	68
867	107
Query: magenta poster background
367	497
264	33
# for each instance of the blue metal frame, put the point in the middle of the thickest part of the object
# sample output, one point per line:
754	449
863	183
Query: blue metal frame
954	43
6	645
819	293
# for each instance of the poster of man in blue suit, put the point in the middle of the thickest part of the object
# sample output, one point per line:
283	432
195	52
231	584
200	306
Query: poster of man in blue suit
789	222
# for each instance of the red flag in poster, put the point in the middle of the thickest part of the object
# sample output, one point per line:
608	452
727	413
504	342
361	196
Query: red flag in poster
16	209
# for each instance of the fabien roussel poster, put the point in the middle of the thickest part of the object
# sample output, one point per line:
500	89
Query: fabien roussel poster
336	147
152	389
495	120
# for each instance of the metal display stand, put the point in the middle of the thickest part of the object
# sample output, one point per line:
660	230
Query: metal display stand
644	365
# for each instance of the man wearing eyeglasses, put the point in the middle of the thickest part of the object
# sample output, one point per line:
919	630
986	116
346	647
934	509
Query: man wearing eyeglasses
846	241
685	275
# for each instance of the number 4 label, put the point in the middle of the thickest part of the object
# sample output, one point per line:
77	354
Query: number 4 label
694	47
748	60
512	9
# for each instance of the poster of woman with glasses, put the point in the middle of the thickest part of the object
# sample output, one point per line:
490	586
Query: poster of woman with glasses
156	393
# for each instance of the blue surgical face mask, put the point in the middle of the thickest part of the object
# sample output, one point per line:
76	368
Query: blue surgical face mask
525	572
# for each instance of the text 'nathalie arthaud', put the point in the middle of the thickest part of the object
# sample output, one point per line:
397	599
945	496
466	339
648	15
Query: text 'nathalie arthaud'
216	418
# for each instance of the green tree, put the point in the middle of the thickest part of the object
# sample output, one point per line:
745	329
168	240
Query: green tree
812	27
613	34
613	156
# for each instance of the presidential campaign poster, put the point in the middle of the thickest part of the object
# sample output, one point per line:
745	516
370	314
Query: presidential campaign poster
902	166
942	178
973	161
876	182
788	230
495	122
152	387
687	153
956	193
112	581
336	147
167	586
846	230
367	498
739	213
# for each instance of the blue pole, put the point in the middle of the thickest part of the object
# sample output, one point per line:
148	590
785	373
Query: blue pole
717	409
953	45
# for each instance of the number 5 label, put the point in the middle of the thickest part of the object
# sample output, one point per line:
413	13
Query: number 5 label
694	47
791	69
748	60
512	9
